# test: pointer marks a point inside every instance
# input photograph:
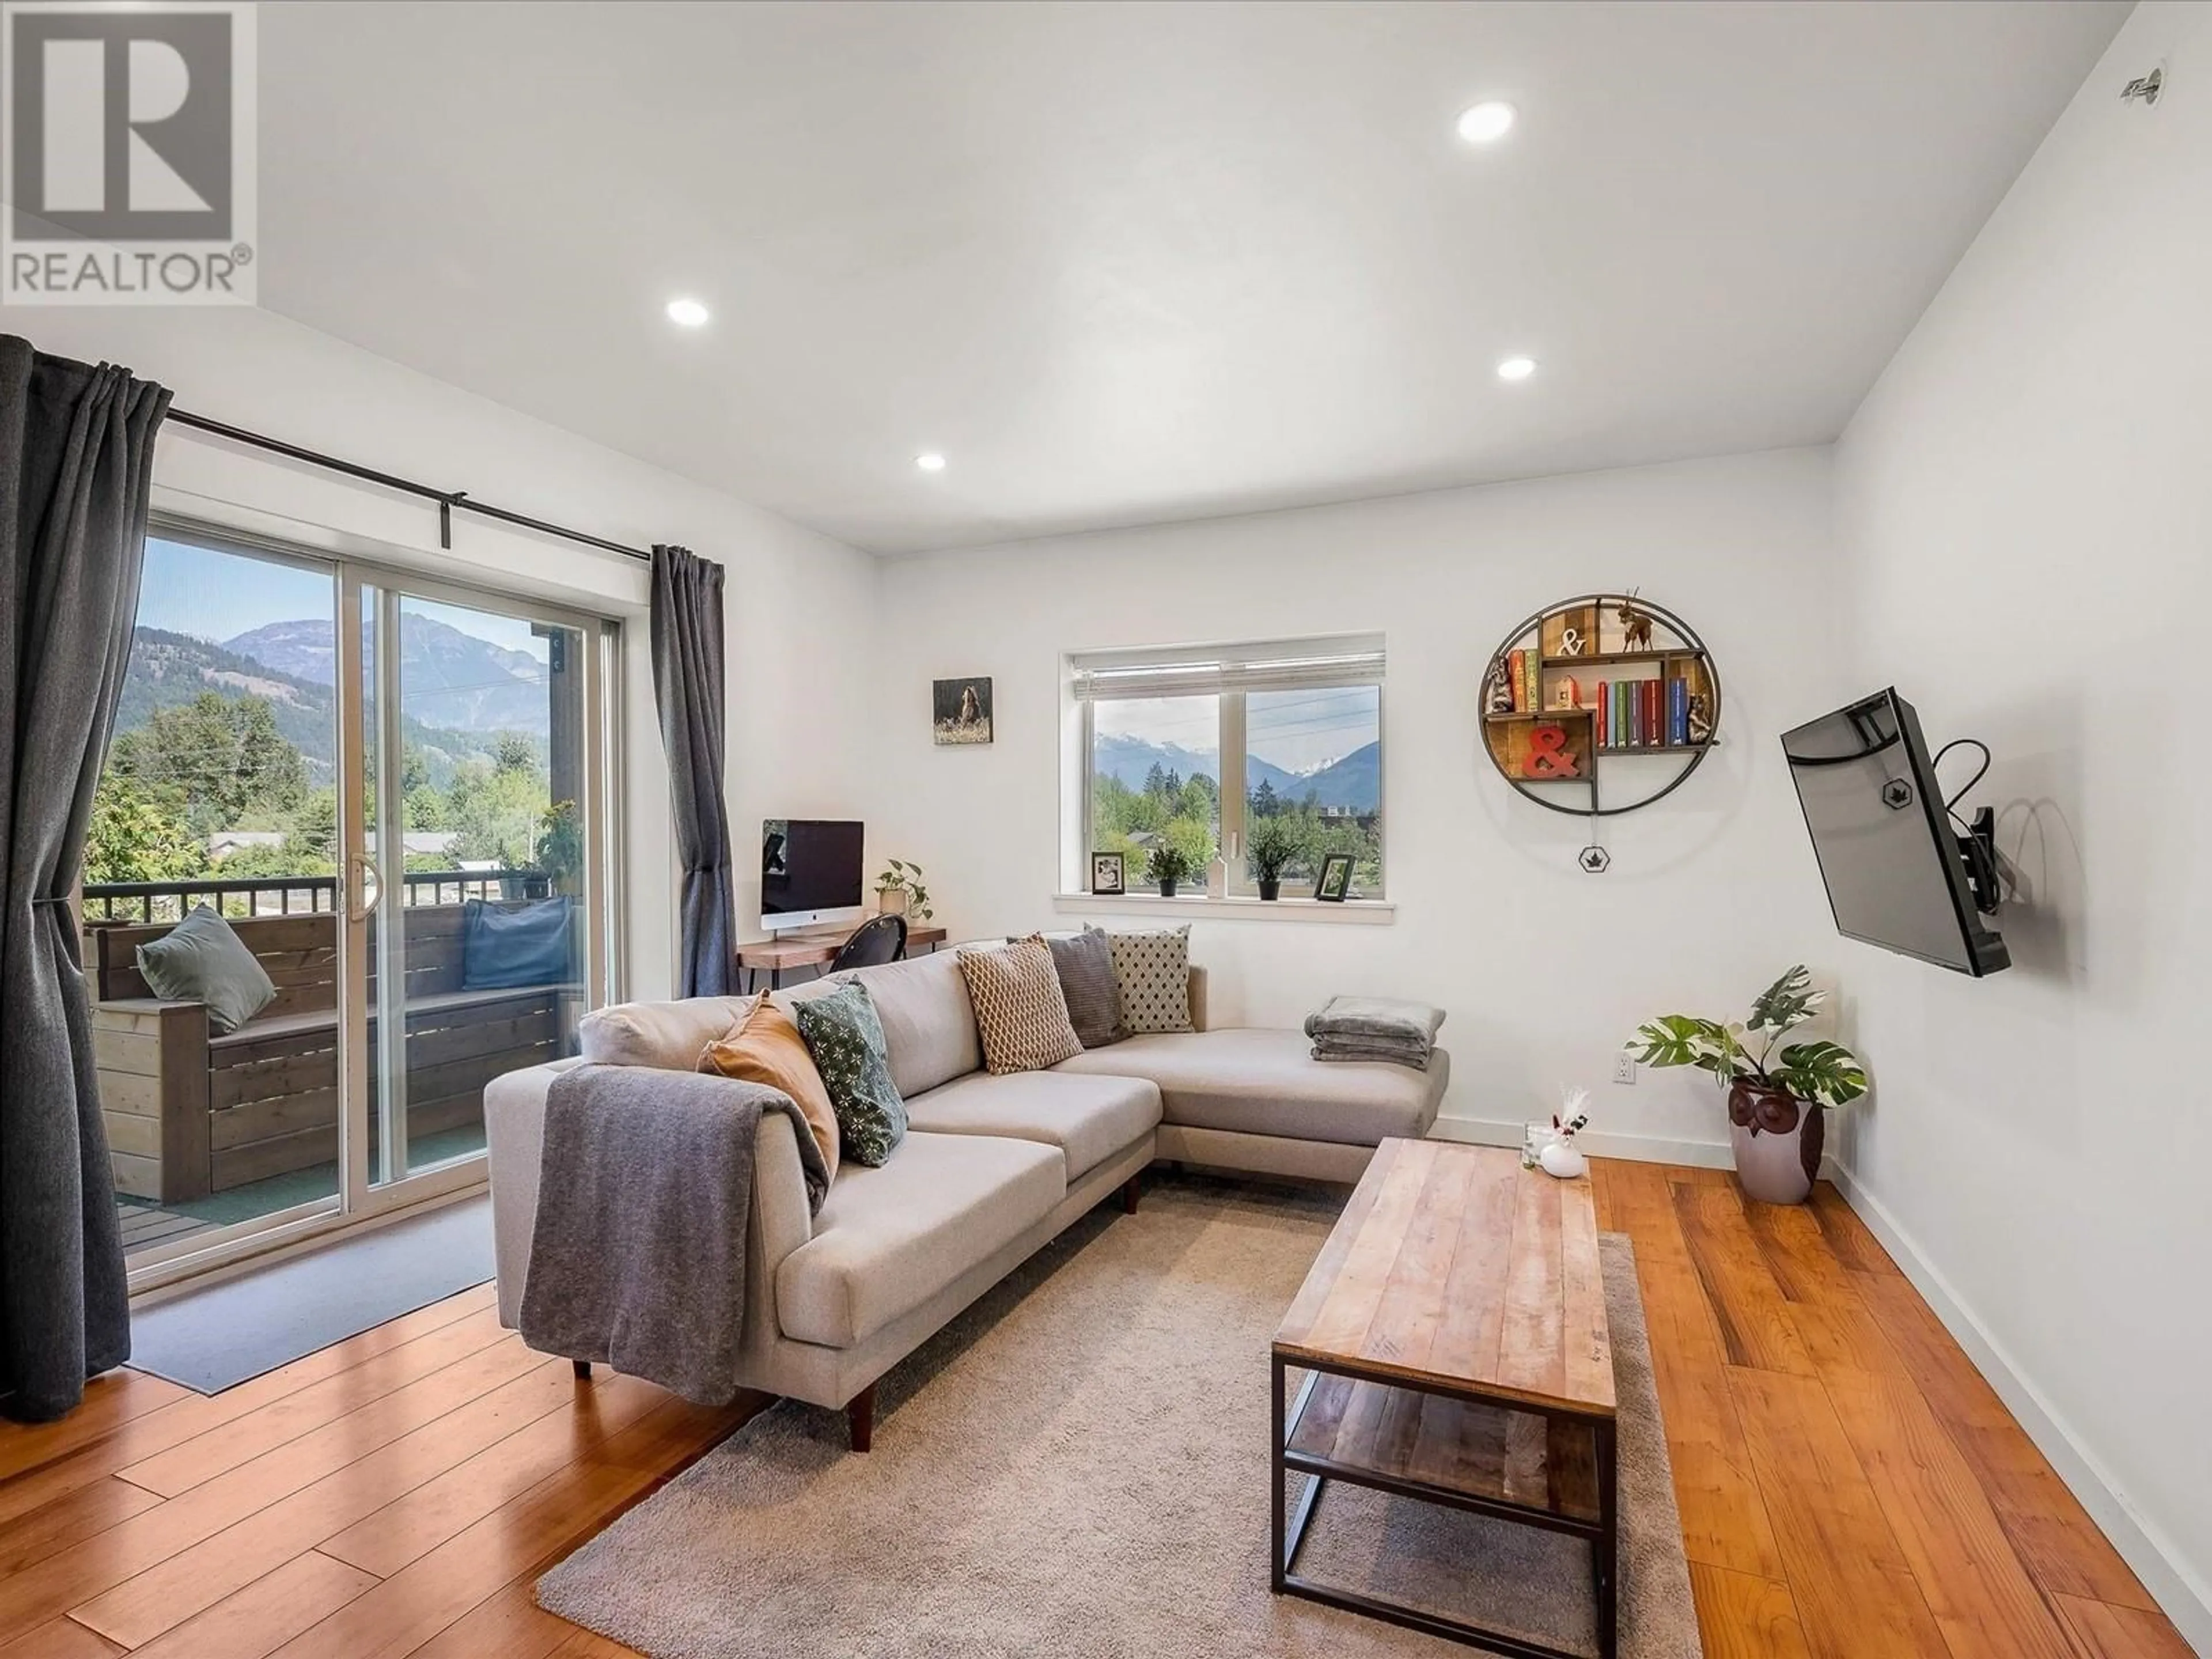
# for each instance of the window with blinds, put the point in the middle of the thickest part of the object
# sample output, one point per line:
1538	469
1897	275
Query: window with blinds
1300	719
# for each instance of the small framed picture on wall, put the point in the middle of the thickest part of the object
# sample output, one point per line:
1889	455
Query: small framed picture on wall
1333	884
1106	873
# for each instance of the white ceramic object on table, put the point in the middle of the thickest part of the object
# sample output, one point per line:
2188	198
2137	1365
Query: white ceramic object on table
1564	1159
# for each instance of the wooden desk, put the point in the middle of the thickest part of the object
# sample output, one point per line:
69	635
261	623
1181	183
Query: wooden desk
1458	1305
817	947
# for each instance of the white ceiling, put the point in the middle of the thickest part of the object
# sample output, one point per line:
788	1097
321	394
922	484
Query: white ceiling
1125	263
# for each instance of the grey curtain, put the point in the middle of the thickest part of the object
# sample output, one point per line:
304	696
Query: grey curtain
687	686
76	455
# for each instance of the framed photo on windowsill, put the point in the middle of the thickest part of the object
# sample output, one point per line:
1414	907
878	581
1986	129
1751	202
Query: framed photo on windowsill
1333	884
1107	876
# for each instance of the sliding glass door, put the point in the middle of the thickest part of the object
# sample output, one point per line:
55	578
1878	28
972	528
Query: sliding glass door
478	932
392	792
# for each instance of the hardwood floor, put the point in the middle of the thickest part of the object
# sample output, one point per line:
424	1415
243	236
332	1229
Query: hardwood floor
1849	1483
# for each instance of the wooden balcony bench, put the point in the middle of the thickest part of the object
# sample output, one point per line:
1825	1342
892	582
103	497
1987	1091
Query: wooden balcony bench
189	1113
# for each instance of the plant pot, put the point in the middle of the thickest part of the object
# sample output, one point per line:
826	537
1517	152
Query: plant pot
1167	886
1778	1141
1271	890
892	901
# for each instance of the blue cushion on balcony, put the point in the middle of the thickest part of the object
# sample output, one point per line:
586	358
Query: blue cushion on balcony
202	959
522	945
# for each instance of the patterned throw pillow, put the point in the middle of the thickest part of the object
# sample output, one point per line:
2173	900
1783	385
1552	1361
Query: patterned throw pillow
1019	1011
1085	968
1152	973
846	1038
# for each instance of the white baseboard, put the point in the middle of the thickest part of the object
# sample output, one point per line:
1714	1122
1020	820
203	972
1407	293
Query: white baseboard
1598	1143
2173	1585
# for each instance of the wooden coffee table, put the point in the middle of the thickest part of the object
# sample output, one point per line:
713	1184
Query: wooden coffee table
1453	1334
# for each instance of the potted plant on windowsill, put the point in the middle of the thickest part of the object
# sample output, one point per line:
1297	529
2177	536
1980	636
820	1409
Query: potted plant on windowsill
1273	845
1777	1102
899	892
1167	865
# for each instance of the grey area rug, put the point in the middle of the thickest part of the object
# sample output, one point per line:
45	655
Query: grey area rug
214	1338
1078	1467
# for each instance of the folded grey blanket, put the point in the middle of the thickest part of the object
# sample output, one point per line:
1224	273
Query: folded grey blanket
637	1259
1376	1016
1415	1054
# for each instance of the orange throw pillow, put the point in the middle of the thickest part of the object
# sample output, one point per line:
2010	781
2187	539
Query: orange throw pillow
765	1048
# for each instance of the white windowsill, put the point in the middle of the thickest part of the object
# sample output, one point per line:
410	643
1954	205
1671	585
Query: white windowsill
1372	912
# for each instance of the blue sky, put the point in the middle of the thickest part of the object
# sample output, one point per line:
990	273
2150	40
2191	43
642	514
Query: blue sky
219	595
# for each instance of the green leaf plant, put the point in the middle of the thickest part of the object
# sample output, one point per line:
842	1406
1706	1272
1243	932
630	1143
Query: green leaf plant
904	878
1753	1051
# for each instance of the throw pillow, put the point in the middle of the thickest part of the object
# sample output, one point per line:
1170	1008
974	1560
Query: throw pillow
847	1041
665	1036
202	959
507	945
765	1048
1086	969
1019	1011
1152	971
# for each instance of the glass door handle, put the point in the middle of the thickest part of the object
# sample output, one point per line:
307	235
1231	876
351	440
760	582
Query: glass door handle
365	891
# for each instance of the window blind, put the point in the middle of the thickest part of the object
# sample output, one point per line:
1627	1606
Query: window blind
1208	669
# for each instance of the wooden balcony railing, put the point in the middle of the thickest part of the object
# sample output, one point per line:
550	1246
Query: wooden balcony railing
285	896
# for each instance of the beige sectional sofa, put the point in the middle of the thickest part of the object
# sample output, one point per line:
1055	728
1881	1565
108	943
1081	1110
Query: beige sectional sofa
991	1168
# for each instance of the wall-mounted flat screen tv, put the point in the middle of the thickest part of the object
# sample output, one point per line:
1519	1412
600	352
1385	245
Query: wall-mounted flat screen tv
810	871
1896	873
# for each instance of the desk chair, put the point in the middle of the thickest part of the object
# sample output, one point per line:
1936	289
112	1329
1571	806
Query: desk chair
877	940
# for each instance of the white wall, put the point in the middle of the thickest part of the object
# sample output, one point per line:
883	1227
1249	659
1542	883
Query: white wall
1545	971
796	601
2024	505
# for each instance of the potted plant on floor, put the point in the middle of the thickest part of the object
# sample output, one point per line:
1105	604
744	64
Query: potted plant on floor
1273	844
1778	1103
899	892
1168	865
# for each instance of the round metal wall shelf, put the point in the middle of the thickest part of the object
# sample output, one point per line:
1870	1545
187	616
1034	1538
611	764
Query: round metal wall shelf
1571	747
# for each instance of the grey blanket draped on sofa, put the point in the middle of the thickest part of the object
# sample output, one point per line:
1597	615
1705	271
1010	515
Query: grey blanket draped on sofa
76	452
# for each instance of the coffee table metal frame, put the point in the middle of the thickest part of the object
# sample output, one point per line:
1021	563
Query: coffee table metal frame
1290	1526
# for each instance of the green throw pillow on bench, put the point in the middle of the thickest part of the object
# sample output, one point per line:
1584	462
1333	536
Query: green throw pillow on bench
846	1037
202	959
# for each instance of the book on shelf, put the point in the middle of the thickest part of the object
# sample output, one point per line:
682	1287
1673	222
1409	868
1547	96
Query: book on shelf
1517	679
1532	665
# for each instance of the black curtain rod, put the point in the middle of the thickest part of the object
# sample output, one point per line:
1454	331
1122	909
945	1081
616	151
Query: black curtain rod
448	499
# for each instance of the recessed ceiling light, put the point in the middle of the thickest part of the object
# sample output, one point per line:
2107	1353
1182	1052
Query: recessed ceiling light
1516	369
1486	123
930	461
687	313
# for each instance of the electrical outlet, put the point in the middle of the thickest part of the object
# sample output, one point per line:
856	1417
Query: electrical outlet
1624	1068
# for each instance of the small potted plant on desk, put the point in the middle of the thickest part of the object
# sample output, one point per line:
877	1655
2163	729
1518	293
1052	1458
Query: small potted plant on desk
1777	1102
899	892
1273	845
1167	865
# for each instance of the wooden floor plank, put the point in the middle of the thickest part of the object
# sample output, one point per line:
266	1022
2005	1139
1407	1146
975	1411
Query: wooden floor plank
2101	1631
1724	1522
207	1454
2053	1534
1753	1317
419	1601
75	1576
152	1432
1854	1590
1743	1617
70	1519
1982	1597
59	1638
388	1448
263	1615
113	1398
419	1520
